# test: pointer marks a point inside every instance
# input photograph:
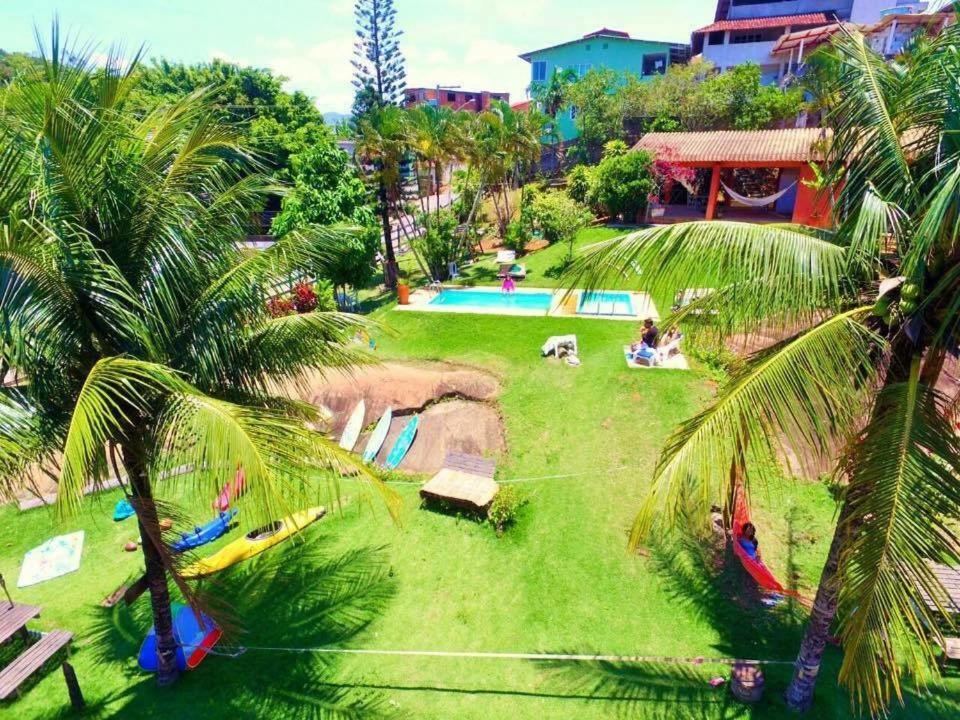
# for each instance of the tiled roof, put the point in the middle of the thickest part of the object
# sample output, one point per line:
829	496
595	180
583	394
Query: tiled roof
606	32
795	145
766	22
810	37
521	106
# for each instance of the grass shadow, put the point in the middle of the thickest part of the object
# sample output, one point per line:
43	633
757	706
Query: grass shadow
280	604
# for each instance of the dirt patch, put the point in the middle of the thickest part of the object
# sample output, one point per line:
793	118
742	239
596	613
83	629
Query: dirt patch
455	403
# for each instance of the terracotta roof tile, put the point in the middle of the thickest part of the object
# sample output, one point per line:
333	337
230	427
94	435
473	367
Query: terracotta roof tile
794	145
767	22
810	37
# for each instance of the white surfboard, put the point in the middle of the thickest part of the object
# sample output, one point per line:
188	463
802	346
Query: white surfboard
351	431
379	435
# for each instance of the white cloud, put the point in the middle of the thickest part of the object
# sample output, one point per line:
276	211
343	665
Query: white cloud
322	70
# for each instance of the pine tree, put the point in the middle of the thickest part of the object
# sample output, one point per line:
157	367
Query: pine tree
379	77
379	74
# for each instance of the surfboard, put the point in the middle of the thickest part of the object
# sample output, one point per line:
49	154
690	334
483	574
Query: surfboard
403	443
351	430
379	435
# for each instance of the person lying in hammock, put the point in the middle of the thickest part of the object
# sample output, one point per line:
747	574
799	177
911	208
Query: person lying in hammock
748	541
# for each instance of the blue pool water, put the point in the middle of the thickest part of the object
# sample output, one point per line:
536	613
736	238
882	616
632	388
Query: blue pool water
605	303
494	300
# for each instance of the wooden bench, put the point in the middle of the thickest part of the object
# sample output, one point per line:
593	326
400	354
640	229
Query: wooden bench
951	649
33	658
13	619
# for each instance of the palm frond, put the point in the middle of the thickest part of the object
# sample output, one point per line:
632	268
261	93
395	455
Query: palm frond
770	273
902	497
805	394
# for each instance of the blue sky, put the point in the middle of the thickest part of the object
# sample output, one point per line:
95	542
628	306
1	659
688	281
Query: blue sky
473	43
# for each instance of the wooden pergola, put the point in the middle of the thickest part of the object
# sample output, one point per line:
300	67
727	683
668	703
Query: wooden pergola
793	148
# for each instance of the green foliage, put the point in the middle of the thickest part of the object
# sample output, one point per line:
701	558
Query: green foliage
327	191
440	244
559	218
552	95
517	237
277	124
505	507
598	115
693	97
614	148
580	181
379	75
622	185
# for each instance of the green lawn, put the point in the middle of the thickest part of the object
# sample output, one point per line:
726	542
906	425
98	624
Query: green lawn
560	580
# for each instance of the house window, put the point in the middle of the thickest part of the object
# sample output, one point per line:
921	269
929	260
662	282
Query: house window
606	45
540	71
588	46
716	37
744	38
583	69
451	97
573	112
654	64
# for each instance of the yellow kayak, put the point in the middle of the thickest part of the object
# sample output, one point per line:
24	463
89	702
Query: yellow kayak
253	543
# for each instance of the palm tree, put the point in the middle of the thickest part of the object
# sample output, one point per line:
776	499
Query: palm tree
552	95
870	314
435	135
382	144
127	304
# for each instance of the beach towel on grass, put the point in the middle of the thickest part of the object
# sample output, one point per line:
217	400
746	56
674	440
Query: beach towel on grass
57	556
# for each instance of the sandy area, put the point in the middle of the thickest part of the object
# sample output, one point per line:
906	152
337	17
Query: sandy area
457	412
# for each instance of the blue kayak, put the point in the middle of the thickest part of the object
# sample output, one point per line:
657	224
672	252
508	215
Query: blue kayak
403	443
194	638
202	534
122	510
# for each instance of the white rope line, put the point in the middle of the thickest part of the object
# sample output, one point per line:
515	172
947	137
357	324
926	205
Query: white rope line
465	654
508	481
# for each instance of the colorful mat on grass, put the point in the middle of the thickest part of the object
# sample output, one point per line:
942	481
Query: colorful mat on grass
57	556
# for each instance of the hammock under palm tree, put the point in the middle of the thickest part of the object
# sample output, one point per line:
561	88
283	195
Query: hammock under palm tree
757	202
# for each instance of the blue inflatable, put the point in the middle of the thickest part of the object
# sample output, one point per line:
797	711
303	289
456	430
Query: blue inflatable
122	510
194	640
203	534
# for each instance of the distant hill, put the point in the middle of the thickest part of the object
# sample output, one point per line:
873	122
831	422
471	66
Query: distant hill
334	118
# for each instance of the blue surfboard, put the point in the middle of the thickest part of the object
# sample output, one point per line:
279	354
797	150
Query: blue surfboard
202	534
403	443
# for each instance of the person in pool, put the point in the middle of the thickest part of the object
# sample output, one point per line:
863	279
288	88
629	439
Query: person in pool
748	540
508	285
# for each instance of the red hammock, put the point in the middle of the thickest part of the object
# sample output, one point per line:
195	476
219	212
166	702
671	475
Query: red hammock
758	571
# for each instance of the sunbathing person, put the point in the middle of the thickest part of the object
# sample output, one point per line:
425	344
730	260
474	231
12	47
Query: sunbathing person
649	337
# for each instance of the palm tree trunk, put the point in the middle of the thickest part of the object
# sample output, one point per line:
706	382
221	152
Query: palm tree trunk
390	269
134	460
799	694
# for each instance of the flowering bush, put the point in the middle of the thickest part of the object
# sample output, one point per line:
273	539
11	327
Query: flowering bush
279	307
304	298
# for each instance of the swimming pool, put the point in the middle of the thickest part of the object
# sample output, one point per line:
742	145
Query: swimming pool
601	302
485	300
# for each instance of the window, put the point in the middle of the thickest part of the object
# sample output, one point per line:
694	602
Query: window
573	112
588	47
539	70
606	45
583	69
744	38
716	37
654	64
451	97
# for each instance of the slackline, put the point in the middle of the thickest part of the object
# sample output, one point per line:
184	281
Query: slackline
546	657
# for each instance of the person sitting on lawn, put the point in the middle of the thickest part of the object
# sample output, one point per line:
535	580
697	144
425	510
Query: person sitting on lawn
648	339
669	343
748	540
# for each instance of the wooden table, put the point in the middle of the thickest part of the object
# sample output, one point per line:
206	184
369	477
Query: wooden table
14	619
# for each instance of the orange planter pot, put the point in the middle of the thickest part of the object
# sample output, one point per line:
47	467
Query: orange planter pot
403	294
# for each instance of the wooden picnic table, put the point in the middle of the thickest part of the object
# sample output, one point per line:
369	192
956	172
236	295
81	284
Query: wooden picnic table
949	578
14	619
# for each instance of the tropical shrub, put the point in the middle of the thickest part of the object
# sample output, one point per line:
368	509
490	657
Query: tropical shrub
559	218
580	183
517	237
623	184
615	148
439	245
505	508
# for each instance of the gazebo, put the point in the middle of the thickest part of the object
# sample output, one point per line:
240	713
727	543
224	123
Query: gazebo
791	152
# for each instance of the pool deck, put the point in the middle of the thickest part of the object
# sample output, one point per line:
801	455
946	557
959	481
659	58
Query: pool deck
563	304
